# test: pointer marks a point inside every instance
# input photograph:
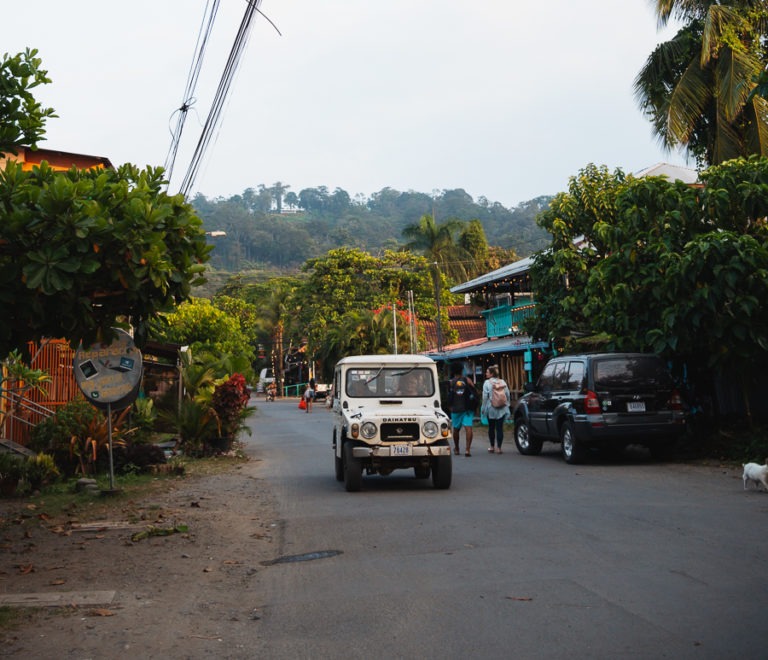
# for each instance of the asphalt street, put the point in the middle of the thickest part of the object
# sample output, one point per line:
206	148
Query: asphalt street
523	557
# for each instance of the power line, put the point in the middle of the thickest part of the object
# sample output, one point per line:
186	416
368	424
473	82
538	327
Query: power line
206	26
214	116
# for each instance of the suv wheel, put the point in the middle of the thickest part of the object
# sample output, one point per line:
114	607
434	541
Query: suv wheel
526	443
353	470
573	452
660	450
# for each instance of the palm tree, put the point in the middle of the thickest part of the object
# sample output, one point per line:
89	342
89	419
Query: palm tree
696	87
276	314
364	332
437	243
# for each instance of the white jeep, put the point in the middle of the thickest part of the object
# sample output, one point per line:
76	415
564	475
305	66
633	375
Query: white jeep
387	416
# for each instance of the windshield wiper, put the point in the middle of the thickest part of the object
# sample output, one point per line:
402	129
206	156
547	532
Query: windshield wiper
375	376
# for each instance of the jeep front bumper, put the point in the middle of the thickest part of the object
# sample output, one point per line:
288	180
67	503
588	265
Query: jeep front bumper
401	451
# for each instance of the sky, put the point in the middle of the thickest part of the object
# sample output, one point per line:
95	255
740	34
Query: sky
505	99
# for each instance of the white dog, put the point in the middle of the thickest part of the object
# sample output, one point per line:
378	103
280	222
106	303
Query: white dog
757	473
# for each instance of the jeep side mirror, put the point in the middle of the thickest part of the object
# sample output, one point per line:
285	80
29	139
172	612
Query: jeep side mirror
529	387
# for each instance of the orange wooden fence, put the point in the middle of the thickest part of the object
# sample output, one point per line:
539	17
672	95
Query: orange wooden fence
21	414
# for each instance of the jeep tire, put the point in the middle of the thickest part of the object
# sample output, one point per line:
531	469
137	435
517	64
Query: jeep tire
442	472
353	470
338	464
421	472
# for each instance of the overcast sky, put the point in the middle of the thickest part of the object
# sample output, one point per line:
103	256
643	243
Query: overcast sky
505	99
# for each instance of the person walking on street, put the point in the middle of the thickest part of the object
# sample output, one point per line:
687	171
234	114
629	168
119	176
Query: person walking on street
462	402
309	394
495	407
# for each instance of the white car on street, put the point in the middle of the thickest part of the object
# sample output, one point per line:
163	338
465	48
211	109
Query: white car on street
388	416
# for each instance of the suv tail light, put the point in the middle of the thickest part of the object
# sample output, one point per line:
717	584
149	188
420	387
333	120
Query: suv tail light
675	402
591	404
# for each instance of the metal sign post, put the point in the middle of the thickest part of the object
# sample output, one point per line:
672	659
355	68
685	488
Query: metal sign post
109	375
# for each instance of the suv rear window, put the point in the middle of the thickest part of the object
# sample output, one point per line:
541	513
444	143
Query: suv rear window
575	376
615	373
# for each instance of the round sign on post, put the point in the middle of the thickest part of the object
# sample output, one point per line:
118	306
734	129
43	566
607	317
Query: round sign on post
109	375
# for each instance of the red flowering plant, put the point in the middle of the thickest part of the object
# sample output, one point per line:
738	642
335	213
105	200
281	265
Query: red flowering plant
230	401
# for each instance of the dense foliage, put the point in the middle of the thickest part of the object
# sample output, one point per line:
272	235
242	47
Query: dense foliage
257	236
646	264
695	88
22	118
81	251
229	401
207	329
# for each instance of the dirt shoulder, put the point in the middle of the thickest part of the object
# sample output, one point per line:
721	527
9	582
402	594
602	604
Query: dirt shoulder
187	594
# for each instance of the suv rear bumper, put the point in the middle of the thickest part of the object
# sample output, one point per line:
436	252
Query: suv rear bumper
640	429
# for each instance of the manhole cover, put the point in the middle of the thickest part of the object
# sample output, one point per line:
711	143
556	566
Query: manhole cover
307	556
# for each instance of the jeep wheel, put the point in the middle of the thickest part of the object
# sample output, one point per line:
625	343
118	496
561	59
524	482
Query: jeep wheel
442	471
421	472
525	441
338	465
353	470
573	452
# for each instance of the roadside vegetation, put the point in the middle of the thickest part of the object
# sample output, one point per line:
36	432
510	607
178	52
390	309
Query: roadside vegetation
621	264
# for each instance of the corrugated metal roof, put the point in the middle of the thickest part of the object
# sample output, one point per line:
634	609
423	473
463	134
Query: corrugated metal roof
503	345
510	270
671	172
467	329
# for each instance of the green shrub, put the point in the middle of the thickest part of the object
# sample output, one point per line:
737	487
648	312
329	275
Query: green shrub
54	435
41	471
12	470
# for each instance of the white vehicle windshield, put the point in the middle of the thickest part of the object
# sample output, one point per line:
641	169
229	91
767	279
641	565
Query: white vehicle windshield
403	382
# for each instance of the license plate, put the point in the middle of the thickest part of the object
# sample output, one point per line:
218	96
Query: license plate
636	406
400	450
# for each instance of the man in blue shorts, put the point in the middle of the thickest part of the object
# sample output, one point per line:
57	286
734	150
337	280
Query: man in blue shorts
462	401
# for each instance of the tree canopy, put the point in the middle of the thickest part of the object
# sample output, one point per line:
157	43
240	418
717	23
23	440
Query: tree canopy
209	330
647	264
83	251
316	220
22	118
696	87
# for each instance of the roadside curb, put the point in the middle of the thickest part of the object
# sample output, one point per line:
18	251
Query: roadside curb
58	599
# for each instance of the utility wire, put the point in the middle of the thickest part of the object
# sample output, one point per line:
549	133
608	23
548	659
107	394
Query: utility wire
221	94
206	27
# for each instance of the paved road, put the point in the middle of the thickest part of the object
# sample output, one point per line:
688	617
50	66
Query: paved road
523	557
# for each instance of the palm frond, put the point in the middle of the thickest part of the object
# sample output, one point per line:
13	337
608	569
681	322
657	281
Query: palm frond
688	102
733	74
756	112
728	139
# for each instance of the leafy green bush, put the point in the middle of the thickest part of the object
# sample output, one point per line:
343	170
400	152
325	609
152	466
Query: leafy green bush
41	471
54	435
230	400
12	470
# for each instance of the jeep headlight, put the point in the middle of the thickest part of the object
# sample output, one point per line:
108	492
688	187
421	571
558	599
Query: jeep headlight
368	430
430	429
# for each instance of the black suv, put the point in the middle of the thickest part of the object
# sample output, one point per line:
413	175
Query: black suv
601	400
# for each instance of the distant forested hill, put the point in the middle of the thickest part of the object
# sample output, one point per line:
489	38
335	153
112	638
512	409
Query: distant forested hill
270	227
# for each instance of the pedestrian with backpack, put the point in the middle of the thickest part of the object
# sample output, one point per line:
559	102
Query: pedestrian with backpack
495	407
462	402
